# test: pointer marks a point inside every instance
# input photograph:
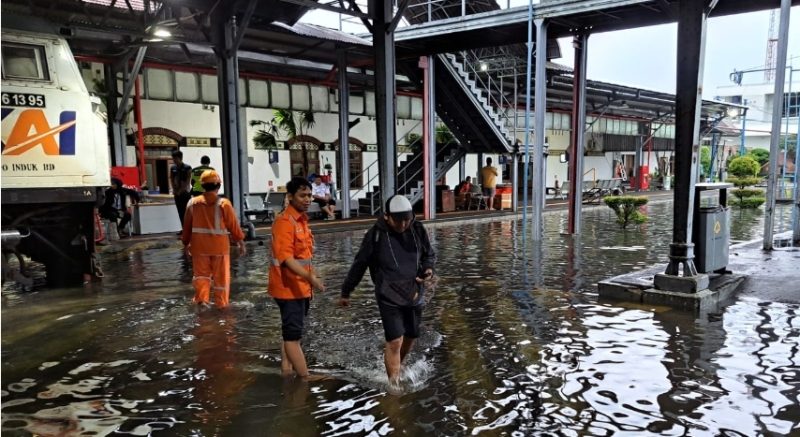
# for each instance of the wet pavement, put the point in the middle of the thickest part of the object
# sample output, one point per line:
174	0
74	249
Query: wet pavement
514	341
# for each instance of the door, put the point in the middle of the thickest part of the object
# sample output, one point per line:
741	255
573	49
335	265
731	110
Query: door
162	176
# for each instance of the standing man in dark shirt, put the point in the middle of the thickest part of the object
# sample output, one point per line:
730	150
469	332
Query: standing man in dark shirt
180	177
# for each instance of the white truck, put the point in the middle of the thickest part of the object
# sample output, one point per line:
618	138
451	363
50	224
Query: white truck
55	158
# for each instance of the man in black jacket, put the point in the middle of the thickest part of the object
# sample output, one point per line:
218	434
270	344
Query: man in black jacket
400	259
116	206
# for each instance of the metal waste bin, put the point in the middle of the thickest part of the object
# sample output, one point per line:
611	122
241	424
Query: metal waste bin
711	232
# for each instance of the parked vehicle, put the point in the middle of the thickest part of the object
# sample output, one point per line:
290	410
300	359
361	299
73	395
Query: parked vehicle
55	158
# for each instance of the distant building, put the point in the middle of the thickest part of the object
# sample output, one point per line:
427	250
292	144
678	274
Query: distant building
759	98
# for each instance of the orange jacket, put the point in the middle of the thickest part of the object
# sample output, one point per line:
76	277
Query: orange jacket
208	223
291	237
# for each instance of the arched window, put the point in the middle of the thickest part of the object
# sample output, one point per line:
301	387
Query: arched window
356	164
304	155
356	167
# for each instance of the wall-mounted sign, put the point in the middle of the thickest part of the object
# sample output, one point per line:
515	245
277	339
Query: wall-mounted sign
197	142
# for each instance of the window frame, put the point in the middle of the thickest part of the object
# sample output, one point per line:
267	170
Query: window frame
40	51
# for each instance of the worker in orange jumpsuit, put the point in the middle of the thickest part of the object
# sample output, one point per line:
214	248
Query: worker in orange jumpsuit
291	276
208	226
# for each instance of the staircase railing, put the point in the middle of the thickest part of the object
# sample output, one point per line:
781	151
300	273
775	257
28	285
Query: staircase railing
370	180
493	87
440	150
487	112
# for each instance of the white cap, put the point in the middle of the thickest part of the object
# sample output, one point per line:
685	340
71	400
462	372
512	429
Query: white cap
399	204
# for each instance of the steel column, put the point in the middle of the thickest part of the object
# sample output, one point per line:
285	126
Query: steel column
344	132
688	97
234	150
742	151
385	95
115	133
428	137
777	108
539	109
527	158
462	168
575	171
637	163
515	179
129	80
796	194
137	113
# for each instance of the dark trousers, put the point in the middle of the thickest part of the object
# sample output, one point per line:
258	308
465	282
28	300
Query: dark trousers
181	200
113	215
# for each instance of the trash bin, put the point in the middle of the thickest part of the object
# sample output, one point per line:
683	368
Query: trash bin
711	230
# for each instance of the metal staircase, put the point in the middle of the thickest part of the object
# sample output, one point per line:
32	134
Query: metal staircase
410	177
479	102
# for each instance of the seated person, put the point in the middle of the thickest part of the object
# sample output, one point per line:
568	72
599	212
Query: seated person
462	192
116	204
322	197
465	186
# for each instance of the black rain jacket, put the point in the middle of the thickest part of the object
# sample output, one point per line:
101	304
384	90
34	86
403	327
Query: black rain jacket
394	261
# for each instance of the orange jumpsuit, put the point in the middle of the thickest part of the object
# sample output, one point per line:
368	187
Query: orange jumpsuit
291	237
209	225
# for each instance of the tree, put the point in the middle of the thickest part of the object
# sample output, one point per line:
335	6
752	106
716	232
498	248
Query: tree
705	159
745	170
294	124
760	155
627	209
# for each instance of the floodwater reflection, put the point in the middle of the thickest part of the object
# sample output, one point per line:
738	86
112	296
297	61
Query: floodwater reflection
514	342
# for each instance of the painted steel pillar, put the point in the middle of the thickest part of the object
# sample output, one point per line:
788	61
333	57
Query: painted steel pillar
575	166
692	16
462	168
637	163
115	134
796	194
234	146
137	113
515	179
385	95
777	110
539	109
742	150
428	137
344	132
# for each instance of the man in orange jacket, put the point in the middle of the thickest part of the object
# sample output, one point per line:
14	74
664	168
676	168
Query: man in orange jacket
291	276
208	226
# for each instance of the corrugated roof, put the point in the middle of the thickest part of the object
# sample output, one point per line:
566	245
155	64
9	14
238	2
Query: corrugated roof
314	31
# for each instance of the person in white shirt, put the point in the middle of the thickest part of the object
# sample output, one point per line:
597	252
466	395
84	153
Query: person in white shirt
322	197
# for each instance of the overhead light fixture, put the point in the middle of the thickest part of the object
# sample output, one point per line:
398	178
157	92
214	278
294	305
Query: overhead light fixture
484	67
733	112
162	33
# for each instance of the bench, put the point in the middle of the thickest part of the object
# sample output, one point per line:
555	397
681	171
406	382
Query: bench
264	206
602	188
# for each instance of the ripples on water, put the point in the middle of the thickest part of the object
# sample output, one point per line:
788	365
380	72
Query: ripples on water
515	343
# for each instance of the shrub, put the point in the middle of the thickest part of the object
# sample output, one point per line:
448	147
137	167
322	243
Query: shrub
747	192
760	155
750	202
745	181
627	209
744	166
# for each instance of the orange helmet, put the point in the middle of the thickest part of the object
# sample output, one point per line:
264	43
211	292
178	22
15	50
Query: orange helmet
210	177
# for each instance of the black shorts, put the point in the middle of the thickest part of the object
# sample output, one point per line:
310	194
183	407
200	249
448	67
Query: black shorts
293	315
323	203
400	321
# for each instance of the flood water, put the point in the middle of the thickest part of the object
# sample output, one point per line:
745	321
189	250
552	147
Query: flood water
514	342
